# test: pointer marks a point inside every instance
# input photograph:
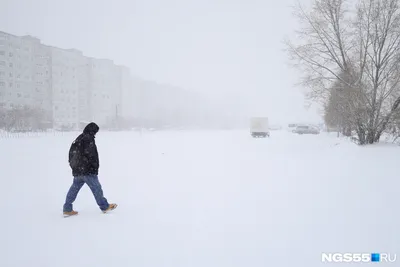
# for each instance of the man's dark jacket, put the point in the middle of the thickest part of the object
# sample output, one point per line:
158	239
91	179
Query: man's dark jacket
83	155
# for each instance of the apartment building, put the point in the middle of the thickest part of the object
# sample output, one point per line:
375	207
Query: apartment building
126	110
85	111
42	83
68	78
105	87
16	67
20	81
72	89
85	89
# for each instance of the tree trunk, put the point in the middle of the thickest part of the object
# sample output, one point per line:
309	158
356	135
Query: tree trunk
377	138
360	134
347	131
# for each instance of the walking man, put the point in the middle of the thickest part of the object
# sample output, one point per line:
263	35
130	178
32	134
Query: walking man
84	162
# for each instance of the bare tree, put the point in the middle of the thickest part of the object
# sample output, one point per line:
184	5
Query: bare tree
345	106
324	46
360	49
378	29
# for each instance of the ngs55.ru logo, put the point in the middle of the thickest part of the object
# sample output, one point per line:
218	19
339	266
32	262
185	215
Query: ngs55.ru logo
358	257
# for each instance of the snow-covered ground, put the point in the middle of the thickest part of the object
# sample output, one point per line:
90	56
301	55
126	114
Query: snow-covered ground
203	199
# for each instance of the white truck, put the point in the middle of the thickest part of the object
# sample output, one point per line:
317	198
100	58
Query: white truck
259	127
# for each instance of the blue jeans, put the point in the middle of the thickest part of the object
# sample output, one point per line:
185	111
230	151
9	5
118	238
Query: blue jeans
93	182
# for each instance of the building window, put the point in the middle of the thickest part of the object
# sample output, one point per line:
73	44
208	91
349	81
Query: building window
2	53
11	85
11	54
11	65
19	95
2	84
2	63
11	75
2	73
17	85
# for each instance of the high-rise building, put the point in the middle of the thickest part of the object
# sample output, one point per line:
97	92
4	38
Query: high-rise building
73	89
42	94
105	87
68	78
85	112
125	109
24	76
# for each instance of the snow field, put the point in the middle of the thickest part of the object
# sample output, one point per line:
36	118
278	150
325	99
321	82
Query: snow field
199	198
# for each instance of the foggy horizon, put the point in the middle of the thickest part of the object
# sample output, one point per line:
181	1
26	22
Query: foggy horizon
221	49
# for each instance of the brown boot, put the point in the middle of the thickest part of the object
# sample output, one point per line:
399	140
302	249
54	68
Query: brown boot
110	207
70	213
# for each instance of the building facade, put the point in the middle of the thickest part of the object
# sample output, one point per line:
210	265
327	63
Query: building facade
125	109
20	83
73	89
42	93
70	88
105	86
67	71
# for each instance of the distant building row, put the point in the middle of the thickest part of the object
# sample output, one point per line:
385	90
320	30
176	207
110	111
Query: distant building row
70	88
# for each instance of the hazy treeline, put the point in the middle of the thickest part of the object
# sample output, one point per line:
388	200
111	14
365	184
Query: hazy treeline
24	118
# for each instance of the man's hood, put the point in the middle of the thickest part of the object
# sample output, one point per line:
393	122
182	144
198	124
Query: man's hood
92	128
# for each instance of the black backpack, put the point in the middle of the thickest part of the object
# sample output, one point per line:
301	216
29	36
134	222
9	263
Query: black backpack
75	153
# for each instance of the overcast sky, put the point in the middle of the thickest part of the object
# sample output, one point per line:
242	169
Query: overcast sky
216	47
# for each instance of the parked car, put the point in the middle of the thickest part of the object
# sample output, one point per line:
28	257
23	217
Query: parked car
305	129
291	127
